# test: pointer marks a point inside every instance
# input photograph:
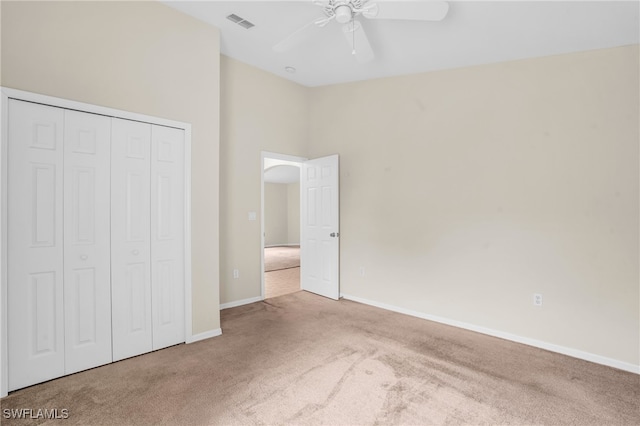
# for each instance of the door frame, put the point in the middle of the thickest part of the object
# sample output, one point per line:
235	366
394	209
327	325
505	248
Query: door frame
8	93
275	156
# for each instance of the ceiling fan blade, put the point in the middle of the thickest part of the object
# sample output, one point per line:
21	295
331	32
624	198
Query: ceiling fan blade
416	10
358	41
300	35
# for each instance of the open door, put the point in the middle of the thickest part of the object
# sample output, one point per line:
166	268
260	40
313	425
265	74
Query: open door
319	227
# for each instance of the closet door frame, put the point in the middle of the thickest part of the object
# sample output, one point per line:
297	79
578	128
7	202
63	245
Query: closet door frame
8	93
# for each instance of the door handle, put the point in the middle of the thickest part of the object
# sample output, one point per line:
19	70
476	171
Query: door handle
334	234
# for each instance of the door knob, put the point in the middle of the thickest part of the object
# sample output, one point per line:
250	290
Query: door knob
334	234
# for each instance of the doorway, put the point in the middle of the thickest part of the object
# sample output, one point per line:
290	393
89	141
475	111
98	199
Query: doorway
319	220
280	224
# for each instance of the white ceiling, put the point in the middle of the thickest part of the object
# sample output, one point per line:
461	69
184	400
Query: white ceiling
473	33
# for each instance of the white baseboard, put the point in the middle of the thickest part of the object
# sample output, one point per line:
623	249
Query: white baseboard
205	335
575	353
283	245
240	302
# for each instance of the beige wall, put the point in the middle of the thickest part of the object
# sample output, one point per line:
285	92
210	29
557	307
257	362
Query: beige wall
463	192
135	56
276	211
259	112
293	215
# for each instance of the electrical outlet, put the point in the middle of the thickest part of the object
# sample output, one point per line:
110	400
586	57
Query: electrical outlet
537	299
362	271
236	273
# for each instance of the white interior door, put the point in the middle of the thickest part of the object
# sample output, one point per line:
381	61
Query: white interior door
167	235
320	227
130	238
87	276
35	244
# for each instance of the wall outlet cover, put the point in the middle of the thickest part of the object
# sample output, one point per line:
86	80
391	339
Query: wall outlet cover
537	299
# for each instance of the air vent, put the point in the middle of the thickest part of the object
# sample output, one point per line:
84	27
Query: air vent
240	21
245	24
234	18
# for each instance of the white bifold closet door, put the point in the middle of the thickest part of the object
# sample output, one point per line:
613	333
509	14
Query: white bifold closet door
87	270
59	309
167	235
35	240
96	240
147	237
130	238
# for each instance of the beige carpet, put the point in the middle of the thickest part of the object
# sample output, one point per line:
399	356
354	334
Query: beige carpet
276	258
302	359
284	281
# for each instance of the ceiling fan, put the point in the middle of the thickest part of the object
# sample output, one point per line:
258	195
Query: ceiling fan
346	11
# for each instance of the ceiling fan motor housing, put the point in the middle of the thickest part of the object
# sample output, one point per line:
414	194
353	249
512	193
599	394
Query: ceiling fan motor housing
343	10
343	13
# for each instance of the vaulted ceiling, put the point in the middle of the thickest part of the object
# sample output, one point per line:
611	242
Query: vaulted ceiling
472	33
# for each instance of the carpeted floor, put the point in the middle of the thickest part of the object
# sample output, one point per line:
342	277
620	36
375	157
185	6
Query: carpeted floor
284	281
277	258
282	270
302	359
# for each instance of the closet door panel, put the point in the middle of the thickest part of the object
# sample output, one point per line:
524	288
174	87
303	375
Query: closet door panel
35	244
167	235
87	269
130	238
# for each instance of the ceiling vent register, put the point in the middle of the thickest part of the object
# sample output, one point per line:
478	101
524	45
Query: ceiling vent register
240	21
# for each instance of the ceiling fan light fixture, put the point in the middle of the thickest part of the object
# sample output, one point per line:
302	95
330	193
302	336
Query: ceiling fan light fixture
343	14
